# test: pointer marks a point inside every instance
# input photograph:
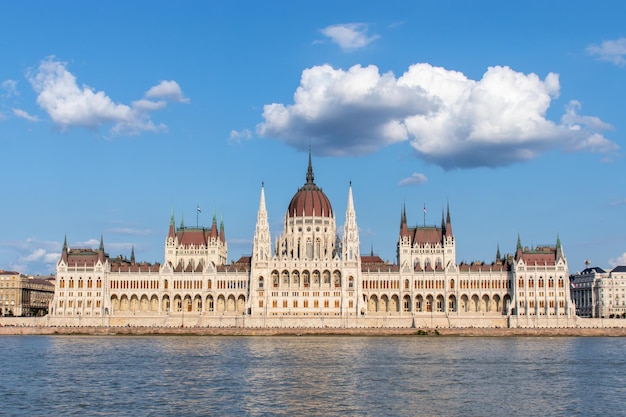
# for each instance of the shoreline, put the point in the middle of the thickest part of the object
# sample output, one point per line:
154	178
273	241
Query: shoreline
230	331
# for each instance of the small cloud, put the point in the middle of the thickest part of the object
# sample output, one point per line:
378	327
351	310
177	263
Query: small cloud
169	90
34	256
238	136
349	36
148	105
70	105
130	231
91	243
24	115
414	179
611	51
620	260
618	202
10	86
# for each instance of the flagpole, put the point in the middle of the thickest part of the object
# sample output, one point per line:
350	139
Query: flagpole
424	214
197	213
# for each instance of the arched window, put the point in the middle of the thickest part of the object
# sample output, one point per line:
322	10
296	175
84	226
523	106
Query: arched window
261	282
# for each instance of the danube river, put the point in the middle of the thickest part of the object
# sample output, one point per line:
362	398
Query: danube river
311	376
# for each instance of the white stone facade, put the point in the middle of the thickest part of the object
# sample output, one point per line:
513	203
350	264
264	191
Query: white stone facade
312	277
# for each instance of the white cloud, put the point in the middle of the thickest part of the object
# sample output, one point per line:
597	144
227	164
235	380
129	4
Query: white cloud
612	51
349	36
345	112
70	105
449	120
130	231
169	90
237	136
414	179
620	260
34	256
10	86
24	115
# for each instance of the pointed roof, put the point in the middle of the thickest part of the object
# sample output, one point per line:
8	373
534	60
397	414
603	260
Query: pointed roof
448	222
309	200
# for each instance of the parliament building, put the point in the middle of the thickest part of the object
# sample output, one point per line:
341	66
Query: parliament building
312	275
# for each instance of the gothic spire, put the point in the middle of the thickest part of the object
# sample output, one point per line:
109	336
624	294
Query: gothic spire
309	172
448	221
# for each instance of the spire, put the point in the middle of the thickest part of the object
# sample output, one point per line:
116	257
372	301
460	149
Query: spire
519	251
172	231
222	236
309	172
404	229
448	222
261	248
65	250
262	202
101	249
350	246
132	255
559	248
498	254
350	201
214	226
182	221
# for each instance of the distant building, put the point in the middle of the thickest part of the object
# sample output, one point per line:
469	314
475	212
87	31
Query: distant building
21	295
312	276
598	293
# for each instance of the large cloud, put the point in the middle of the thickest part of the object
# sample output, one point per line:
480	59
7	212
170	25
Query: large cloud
450	120
69	104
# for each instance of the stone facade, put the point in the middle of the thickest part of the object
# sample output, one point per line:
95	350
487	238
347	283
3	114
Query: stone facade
598	293
312	276
21	295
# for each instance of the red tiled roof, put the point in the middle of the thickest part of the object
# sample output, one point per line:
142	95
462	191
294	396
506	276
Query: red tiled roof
423	235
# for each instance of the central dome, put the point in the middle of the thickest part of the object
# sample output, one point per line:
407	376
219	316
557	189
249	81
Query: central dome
310	200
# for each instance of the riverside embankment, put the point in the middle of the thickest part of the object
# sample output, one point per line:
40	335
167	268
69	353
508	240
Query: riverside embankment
192	331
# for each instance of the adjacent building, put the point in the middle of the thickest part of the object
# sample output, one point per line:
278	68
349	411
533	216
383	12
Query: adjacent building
598	293
312	275
24	296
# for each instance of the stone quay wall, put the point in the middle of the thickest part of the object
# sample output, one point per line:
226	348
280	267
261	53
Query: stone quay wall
384	325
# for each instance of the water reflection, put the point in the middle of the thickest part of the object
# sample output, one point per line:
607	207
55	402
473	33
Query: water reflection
310	376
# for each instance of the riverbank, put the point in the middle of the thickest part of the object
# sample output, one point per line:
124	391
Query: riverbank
204	331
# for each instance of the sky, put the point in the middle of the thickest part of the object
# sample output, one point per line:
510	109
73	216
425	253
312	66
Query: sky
114	115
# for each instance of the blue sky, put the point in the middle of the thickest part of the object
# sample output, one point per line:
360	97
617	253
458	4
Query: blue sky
113	114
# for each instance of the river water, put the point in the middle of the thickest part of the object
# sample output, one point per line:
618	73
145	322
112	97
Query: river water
311	376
